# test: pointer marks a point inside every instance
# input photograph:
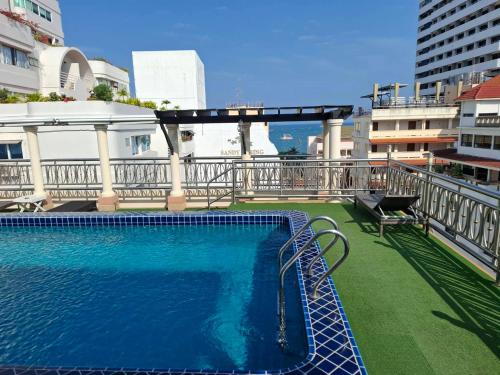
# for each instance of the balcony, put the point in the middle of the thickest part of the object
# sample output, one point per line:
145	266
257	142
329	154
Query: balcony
416	134
488	122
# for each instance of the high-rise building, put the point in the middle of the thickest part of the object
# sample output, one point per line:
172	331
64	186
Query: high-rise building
457	40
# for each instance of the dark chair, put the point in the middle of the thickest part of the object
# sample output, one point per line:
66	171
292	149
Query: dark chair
75	206
6	204
391	209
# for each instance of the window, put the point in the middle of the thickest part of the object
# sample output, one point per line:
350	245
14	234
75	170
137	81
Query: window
375	126
140	144
491	114
466	140
11	56
428	125
374	148
496	145
410	147
482	141
412	125
7	55
34	8
467	114
11	151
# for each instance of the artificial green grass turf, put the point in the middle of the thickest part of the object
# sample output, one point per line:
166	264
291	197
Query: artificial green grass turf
415	306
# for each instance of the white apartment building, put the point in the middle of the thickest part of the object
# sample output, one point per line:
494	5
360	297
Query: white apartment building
457	40
409	129
179	77
108	74
478	150
315	146
33	57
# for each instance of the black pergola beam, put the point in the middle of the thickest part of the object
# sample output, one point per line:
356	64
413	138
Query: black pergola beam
258	114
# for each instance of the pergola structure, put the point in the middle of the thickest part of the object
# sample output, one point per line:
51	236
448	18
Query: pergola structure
332	117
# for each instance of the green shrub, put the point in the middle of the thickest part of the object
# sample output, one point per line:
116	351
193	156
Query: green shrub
36	97
149	104
133	101
12	99
4	94
54	97
102	92
457	170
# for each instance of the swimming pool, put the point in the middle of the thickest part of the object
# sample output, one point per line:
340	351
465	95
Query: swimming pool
161	291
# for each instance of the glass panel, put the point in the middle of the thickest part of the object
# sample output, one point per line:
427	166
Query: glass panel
16	151
3	152
497	143
34	8
7	55
48	16
135	145
22	60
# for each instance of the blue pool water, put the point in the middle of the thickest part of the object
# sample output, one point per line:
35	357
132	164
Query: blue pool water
145	297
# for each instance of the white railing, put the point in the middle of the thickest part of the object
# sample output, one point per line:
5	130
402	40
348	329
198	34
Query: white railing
488	121
376	134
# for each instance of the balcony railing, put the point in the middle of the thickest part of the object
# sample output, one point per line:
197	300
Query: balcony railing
404	102
404	133
488	122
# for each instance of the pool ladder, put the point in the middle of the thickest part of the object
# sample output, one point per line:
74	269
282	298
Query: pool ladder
283	268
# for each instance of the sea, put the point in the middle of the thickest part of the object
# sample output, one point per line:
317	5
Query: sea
298	130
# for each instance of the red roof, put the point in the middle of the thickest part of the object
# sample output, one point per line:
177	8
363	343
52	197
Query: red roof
475	161
487	90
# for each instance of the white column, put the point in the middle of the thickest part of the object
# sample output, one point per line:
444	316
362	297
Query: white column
36	164
245	156
335	136
450	123
108	200
326	153
422	125
176	200
326	140
397	125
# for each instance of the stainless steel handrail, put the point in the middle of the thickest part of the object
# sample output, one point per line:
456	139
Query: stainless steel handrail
283	270
299	232
325	275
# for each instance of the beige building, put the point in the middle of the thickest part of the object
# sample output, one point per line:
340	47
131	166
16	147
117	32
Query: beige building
409	128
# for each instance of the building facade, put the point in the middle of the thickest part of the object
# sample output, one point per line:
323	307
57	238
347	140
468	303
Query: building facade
33	57
478	151
106	73
179	78
407	128
457	40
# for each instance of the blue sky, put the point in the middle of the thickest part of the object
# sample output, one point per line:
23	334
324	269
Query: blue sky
278	52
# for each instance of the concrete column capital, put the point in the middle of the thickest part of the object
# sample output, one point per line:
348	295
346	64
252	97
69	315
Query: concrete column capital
102	127
335	122
31	129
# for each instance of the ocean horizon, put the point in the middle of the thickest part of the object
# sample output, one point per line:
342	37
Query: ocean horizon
300	131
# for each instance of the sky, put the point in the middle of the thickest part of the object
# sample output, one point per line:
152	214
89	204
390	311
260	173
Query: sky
281	53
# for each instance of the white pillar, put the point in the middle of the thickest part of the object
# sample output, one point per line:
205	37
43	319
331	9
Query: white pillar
422	125
397	125
335	136
450	123
246	155
108	199
326	140
36	165
176	200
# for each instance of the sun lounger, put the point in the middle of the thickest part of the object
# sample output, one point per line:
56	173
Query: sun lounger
6	204
76	206
391	209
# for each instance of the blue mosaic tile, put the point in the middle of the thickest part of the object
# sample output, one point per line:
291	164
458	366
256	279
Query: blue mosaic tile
332	347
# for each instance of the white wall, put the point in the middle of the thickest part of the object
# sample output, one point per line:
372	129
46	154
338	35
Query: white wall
177	76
